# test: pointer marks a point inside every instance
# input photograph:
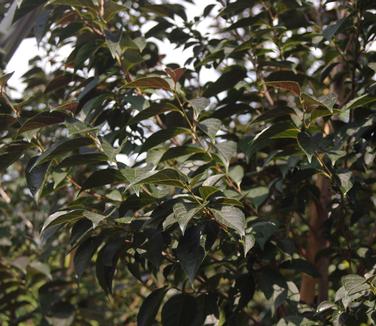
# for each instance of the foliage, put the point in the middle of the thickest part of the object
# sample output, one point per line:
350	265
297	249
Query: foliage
134	192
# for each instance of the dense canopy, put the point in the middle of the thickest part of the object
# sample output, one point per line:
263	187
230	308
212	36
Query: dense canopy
229	182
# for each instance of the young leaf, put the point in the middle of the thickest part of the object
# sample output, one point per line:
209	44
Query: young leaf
175	74
290	86
149	82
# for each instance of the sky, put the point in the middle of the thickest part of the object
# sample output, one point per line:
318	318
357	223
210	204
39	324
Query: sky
28	49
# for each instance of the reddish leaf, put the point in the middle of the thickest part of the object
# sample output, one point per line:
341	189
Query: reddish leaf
149	82
290	86
175	74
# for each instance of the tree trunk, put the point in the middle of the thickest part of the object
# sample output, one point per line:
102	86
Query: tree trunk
318	210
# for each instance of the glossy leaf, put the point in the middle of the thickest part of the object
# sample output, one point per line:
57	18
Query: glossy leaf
232	217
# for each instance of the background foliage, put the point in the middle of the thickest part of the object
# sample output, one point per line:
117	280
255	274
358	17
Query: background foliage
133	192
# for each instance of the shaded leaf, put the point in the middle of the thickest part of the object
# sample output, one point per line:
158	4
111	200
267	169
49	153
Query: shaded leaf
168	176
103	177
226	81
333	29
308	144
83	159
190	252
152	111
150	306
358	102
161	136
263	231
43	119
36	177
178	151
179	310
106	264
62	147
83	254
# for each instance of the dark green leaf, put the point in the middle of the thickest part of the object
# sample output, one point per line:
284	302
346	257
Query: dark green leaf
43	119
179	310
150	306
83	159
161	136
232	217
358	102
36	177
62	147
308	144
184	212
169	177
333	29
106	264
226	81
83	254
11	153
175	152
263	231
152	111
190	252
103	177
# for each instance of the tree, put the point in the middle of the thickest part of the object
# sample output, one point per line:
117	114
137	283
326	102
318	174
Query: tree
247	200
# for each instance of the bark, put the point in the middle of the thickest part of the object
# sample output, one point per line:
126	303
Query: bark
313	291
